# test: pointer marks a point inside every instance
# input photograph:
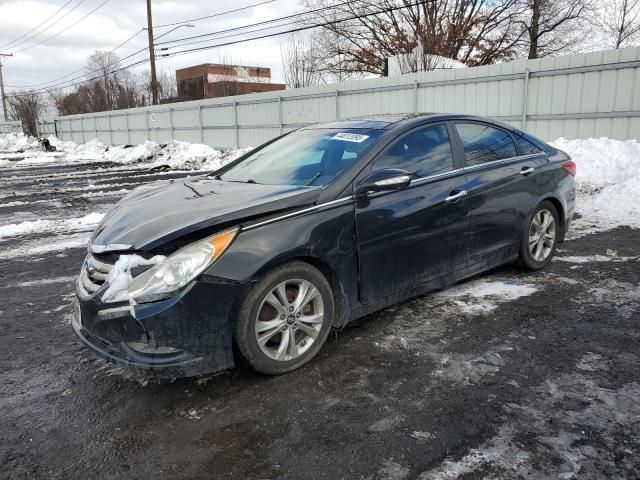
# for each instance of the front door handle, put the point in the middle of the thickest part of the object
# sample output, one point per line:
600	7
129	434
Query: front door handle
527	170
453	196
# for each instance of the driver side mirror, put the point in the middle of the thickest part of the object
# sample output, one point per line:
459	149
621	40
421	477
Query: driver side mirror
387	179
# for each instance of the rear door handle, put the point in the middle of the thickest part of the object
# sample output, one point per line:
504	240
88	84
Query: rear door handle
455	196
527	170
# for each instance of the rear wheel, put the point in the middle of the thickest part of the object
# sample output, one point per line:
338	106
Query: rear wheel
285	318
540	237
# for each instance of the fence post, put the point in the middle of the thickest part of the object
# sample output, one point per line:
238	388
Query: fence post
337	105
200	124
171	121
415	95
280	112
525	99
235	122
110	129
95	126
146	126
126	120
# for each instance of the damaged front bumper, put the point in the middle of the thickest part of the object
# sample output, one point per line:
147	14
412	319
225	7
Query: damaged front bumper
188	334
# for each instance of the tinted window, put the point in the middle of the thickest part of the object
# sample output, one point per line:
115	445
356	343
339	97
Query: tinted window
527	147
483	143
426	151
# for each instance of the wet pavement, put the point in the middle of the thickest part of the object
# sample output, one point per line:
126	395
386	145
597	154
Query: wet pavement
508	375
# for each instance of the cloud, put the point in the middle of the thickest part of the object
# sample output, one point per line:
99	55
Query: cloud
118	20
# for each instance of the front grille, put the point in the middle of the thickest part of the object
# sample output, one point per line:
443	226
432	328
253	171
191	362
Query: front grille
93	274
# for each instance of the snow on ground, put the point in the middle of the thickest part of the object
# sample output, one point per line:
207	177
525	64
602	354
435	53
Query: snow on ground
607	179
30	227
57	244
482	296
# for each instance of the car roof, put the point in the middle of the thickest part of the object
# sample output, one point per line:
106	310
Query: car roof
385	121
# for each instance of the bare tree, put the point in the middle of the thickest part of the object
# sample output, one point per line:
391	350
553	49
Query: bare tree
620	22
166	82
27	107
553	26
474	32
103	64
300	62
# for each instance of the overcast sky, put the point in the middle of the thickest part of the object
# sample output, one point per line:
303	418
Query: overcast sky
116	21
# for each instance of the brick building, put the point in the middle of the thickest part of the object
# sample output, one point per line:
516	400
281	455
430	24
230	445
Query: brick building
212	80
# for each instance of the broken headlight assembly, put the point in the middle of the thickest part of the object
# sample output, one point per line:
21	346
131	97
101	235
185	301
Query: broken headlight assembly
180	268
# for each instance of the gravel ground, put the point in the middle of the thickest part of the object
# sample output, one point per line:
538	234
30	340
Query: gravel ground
541	380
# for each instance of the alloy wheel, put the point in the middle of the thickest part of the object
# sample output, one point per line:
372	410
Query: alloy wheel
289	319
542	235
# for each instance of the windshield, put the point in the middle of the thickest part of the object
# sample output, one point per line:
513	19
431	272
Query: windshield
305	157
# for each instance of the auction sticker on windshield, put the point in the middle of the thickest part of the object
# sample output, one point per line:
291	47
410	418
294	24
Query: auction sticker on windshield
350	137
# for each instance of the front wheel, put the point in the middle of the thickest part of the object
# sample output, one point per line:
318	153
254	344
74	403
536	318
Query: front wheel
285	318
540	237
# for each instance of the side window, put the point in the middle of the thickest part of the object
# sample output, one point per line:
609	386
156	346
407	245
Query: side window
425	152
483	143
527	147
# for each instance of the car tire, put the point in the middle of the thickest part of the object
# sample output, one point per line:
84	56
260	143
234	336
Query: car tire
541	236
277	336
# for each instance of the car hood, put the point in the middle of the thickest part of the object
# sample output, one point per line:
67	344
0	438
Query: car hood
162	211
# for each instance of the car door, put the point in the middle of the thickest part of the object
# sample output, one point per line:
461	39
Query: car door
410	236
501	189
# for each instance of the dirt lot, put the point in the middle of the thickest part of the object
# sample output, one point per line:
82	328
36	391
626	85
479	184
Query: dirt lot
509	375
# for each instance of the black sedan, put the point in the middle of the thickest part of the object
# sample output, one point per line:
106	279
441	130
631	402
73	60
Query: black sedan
310	231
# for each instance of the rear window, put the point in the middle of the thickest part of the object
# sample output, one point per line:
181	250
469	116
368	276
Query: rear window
483	143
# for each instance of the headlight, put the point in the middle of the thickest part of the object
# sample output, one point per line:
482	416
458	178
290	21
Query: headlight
180	268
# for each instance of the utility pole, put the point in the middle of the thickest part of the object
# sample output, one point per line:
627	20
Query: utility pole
4	99
152	55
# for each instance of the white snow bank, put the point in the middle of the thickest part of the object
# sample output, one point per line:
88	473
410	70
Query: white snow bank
607	179
15	142
174	154
120	276
88	222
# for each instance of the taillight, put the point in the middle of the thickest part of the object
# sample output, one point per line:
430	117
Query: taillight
570	167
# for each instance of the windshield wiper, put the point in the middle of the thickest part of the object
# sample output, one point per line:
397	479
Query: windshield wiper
244	181
315	177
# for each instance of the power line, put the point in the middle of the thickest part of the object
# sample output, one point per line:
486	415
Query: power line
85	68
299	29
214	15
65	29
37	26
306	27
294	16
49	26
143	49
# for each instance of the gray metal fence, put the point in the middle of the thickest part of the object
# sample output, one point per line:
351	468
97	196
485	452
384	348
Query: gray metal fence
578	96
10	127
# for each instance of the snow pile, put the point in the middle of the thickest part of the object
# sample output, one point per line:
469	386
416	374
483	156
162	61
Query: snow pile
174	154
18	142
120	276
607	179
30	227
